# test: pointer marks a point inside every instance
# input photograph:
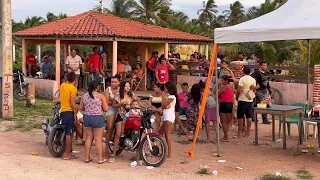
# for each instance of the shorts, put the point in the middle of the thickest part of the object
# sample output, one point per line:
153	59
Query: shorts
245	108
226	107
68	121
183	111
94	121
169	116
118	119
210	114
111	111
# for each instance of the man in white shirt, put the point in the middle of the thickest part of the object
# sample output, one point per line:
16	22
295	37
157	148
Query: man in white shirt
245	96
74	63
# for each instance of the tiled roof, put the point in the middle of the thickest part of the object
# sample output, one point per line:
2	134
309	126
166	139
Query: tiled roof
92	23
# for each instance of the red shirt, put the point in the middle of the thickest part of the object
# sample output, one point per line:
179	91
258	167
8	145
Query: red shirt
94	61
31	59
151	62
163	73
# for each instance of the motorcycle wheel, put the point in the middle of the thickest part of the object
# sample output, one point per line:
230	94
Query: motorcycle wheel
20	95
56	148
145	151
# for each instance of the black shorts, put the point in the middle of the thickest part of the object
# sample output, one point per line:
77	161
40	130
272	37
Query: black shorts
68	121
245	108
226	107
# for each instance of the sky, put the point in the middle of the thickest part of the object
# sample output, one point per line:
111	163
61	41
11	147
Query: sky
21	9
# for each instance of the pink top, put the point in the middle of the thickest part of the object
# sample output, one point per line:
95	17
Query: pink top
227	95
92	106
181	96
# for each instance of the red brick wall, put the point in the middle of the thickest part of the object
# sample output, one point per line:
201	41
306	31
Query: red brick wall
236	67
316	84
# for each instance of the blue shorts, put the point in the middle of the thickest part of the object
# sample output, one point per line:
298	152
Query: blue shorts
94	121
111	111
183	111
68	121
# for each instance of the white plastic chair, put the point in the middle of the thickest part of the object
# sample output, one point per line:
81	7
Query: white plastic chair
315	129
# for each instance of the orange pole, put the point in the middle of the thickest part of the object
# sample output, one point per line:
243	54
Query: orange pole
204	99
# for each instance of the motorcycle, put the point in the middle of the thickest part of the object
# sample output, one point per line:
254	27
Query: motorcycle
149	146
19	86
55	133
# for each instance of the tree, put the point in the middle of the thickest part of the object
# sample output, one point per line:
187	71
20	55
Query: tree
151	11
208	12
265	8
235	14
121	8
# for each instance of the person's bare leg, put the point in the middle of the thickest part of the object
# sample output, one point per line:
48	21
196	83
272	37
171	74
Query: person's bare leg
215	127
29	69
79	132
110	125
178	120
244	124
88	144
98	134
224	122
116	139
240	127
167	127
158	121
67	153
249	121
208	130
229	119
123	123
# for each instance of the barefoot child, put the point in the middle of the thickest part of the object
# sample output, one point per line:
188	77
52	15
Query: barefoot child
169	105
210	113
134	111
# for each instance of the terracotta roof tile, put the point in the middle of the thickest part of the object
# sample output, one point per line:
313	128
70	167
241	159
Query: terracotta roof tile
92	23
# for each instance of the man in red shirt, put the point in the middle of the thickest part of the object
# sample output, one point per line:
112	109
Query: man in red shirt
151	66
31	63
162	70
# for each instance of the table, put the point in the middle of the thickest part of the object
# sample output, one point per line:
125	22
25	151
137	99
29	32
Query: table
280	110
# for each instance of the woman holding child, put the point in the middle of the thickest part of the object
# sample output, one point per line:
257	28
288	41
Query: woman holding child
156	103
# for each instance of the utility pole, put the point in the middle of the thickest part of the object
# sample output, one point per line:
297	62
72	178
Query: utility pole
101	6
6	48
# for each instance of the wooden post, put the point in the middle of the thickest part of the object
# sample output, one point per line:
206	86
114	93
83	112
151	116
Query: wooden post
114	57
166	49
7	85
58	48
24	56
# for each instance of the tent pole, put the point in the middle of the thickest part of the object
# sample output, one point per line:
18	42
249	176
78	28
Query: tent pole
308	71
217	107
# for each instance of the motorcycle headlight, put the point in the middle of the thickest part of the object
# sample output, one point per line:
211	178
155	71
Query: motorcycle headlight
153	118
45	124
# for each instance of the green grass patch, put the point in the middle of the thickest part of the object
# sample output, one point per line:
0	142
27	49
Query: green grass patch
31	118
274	177
204	171
303	174
184	162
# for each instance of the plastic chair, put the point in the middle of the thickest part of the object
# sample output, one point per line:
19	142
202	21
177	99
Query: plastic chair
314	129
293	119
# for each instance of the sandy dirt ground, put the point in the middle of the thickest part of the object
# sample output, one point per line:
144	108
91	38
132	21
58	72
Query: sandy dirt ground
17	162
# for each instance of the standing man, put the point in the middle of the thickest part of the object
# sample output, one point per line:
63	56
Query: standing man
262	79
31	63
151	66
74	63
69	110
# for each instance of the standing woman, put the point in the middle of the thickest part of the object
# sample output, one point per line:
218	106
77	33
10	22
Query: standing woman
194	98
110	93
122	104
226	95
93	104
156	103
169	105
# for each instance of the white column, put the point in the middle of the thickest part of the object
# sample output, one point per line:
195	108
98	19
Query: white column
14	53
7	85
69	50
39	53
166	49
58	48
207	51
114	57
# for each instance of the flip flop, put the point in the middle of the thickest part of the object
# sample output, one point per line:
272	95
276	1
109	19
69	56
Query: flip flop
71	157
88	161
101	162
112	160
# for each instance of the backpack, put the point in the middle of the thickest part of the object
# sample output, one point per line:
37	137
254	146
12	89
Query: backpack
211	103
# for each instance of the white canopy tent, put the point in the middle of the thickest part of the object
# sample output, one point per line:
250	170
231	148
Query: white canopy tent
295	20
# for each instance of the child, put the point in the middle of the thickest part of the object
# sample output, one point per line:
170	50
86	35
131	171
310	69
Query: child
193	109
182	97
162	70
210	113
169	105
134	111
